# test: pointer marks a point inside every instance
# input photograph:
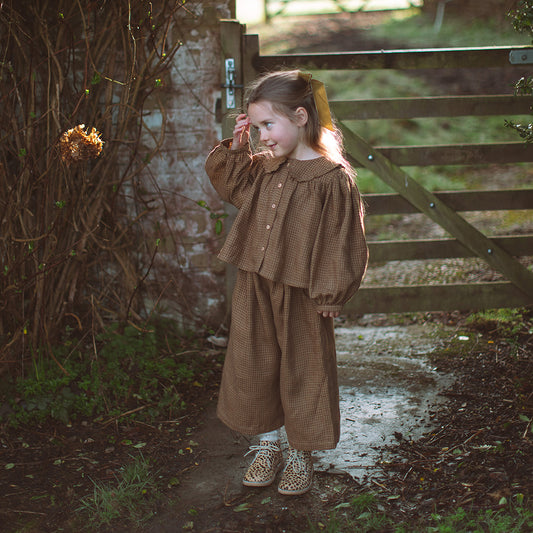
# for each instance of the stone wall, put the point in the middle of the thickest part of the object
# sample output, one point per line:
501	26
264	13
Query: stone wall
186	280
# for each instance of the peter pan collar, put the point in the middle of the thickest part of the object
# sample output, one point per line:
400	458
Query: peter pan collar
301	170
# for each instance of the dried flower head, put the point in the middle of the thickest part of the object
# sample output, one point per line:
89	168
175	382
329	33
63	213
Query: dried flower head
77	144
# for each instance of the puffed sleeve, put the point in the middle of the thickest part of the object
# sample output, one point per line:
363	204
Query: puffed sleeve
231	171
340	253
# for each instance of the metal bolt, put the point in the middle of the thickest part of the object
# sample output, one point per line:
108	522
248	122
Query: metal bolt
489	251
371	157
432	205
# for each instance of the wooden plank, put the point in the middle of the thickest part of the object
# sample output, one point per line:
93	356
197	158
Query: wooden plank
453	297
409	250
438	211
475	200
435	106
231	38
250	49
429	58
457	154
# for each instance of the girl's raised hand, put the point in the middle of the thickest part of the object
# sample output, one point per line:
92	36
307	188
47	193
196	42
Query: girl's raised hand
241	132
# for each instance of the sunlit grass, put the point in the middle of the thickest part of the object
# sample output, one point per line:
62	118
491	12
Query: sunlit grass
417	30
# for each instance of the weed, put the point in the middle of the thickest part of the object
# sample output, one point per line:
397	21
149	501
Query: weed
132	370
362	514
507	323
132	496
365	514
513	519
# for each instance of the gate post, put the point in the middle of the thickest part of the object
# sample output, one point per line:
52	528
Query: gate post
231	36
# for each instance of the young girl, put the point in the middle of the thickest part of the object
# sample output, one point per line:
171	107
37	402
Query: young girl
299	245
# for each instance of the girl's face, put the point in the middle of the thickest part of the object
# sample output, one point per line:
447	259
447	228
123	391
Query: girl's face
277	132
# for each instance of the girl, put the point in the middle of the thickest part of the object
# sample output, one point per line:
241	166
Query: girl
299	245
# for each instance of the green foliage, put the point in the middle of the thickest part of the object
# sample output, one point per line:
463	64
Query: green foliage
361	513
513	519
365	514
130	498
216	217
509	323
130	370
524	86
522	19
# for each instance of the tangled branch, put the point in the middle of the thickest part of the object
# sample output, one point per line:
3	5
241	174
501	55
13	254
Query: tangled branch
71	243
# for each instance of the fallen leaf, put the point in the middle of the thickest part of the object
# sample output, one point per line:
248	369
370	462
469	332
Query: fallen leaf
242	507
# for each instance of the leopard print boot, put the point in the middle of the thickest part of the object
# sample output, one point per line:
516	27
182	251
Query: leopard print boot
266	464
298	474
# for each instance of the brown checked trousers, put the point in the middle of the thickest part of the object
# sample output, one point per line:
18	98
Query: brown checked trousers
280	367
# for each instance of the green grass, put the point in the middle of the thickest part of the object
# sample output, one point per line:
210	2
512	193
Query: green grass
142	372
131	497
346	85
414	28
502	322
366	513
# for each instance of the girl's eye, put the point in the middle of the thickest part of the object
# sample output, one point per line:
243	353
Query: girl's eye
268	125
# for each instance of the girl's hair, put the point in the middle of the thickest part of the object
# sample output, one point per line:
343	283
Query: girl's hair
287	91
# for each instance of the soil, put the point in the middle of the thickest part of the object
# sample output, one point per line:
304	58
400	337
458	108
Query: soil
477	453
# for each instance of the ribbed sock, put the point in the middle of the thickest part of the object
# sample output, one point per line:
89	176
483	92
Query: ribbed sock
271	436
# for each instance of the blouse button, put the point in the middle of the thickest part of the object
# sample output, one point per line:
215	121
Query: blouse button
262	248
273	206
268	226
280	185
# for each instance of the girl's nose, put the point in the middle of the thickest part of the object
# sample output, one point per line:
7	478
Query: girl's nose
264	135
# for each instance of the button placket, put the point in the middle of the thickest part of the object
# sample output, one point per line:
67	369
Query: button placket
276	193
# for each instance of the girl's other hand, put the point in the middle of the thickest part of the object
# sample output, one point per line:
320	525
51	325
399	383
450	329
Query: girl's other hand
329	314
241	132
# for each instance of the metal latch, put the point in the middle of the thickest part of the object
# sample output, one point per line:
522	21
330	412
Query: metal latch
521	57
230	85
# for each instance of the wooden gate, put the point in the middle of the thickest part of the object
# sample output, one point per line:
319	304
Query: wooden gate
242	62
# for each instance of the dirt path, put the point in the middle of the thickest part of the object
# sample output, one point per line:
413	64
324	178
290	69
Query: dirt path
455	436
387	389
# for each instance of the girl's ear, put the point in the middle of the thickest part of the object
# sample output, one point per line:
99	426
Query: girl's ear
300	116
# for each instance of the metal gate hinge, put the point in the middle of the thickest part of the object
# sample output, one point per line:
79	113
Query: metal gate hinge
230	85
521	57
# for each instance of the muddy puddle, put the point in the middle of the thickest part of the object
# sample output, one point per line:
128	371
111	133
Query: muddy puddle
388	390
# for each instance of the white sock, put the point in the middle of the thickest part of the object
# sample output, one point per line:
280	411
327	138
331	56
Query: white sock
271	436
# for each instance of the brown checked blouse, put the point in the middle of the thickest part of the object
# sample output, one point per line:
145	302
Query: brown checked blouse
300	222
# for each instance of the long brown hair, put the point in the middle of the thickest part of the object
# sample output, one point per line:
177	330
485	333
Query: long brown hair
287	91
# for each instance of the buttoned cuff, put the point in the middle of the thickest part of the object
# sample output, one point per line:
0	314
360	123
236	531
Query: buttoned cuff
329	308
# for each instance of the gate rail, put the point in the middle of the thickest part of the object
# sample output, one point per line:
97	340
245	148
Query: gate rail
501	253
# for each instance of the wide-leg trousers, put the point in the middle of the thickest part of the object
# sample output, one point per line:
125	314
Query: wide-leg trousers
280	367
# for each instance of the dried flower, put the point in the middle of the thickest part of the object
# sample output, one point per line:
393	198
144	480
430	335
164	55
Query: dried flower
77	144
